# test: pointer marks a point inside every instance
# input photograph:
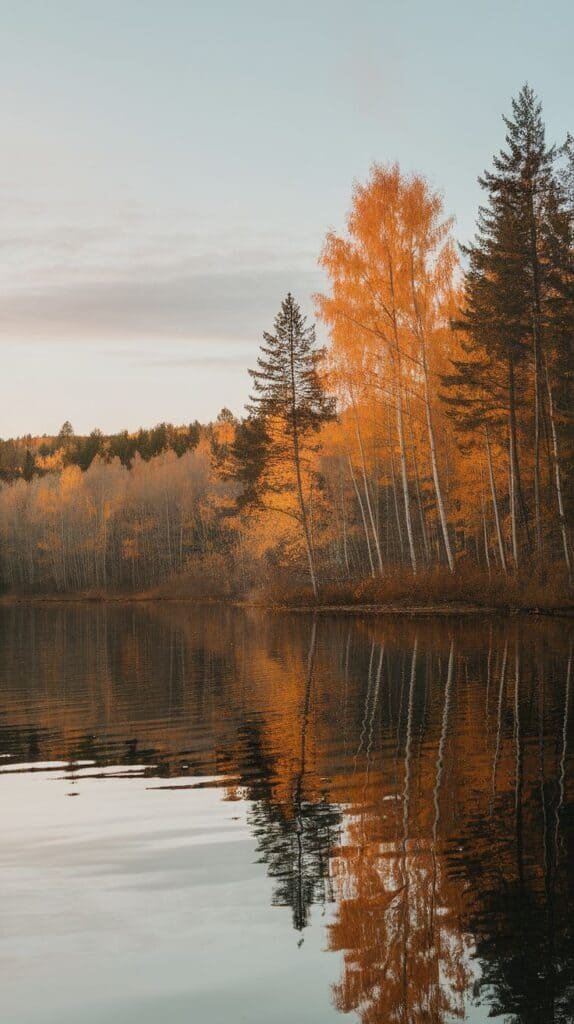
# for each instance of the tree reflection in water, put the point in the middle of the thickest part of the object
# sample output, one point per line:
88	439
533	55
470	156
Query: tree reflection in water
415	776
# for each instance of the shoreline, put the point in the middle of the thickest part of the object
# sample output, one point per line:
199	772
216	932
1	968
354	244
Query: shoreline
404	611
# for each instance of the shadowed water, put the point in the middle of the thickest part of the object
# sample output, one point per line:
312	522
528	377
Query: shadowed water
220	816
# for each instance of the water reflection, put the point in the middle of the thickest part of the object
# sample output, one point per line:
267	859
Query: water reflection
413	778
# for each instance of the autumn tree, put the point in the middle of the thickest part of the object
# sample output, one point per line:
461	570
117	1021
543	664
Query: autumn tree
290	404
390	282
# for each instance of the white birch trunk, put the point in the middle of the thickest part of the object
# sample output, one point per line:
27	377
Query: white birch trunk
557	477
366	486
495	502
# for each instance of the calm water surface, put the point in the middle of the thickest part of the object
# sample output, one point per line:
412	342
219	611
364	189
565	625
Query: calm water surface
217	816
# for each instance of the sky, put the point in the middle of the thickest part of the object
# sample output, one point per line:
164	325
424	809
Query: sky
170	168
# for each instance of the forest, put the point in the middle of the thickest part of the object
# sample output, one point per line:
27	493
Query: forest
422	452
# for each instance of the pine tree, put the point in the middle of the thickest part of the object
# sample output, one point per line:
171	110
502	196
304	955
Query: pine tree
66	435
287	407
512	293
245	461
474	402
29	467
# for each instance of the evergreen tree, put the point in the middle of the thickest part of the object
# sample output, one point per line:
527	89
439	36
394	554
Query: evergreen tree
245	460
474	401
513	295
84	450
123	447
567	172
287	407
158	439
29	467
66	435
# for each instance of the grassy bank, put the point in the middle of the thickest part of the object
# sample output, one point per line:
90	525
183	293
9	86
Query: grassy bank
429	593
437	592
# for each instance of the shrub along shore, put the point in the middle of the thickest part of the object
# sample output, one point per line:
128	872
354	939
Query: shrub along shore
431	593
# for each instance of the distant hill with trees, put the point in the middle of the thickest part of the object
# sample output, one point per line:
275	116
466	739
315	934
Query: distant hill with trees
24	457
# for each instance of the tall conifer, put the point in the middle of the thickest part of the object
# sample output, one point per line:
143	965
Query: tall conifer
513	295
290	404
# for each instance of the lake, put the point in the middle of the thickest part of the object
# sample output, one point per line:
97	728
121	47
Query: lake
217	815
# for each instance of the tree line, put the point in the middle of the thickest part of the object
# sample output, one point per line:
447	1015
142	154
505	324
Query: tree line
26	457
432	433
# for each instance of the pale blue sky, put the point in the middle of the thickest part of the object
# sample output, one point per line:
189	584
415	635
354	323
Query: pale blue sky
169	170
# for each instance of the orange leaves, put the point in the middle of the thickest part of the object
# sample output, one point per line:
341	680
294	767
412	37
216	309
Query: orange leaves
52	463
391	276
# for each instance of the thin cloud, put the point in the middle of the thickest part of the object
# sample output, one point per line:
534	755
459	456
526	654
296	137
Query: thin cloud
205	362
235	305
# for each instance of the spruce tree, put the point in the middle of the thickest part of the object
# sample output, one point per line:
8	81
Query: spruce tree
287	408
29	467
513	293
475	402
66	434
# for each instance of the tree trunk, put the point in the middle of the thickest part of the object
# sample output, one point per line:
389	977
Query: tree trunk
537	352
512	460
512	496
436	477
537	524
484	529
344	521
557	477
518	492
430	425
366	486
297	463
395	493
400	429
405	480
495	502
363	517
424	534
